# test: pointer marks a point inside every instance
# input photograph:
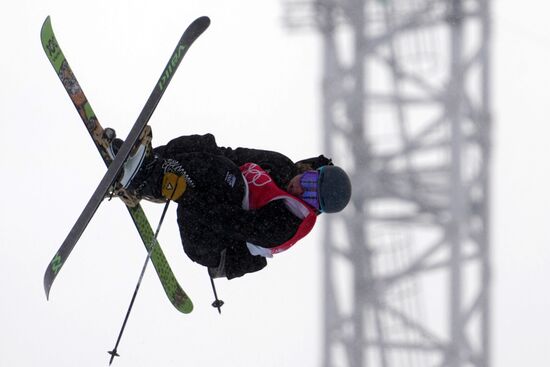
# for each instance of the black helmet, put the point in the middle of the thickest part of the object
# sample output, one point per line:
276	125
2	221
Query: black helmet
334	189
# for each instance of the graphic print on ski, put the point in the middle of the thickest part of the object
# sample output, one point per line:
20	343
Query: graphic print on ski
65	74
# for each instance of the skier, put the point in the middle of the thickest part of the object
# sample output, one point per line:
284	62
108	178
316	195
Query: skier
237	206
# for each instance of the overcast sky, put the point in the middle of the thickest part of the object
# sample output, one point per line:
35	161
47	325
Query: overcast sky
252	83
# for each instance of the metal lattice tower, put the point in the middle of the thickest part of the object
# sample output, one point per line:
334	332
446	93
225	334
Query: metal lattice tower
406	111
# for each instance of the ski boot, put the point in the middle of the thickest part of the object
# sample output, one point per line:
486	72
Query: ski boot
138	155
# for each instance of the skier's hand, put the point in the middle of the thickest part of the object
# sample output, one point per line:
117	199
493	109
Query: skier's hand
173	186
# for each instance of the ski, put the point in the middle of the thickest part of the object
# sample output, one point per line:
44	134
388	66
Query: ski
174	292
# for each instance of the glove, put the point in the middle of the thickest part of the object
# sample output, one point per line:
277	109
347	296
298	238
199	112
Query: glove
239	261
313	163
173	186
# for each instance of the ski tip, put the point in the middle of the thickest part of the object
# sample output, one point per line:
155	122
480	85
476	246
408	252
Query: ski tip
187	307
202	22
46	25
47	21
48	281
204	19
47	289
184	306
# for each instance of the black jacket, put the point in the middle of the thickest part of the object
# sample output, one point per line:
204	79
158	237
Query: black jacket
211	218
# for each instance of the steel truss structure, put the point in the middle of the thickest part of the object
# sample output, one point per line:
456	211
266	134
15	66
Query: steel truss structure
406	111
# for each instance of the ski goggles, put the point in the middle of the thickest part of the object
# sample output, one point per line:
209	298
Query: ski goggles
310	184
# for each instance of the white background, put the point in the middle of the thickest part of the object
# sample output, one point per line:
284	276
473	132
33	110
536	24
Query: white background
251	83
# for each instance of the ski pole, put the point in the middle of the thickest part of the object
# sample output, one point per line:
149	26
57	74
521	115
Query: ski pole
113	352
218	303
